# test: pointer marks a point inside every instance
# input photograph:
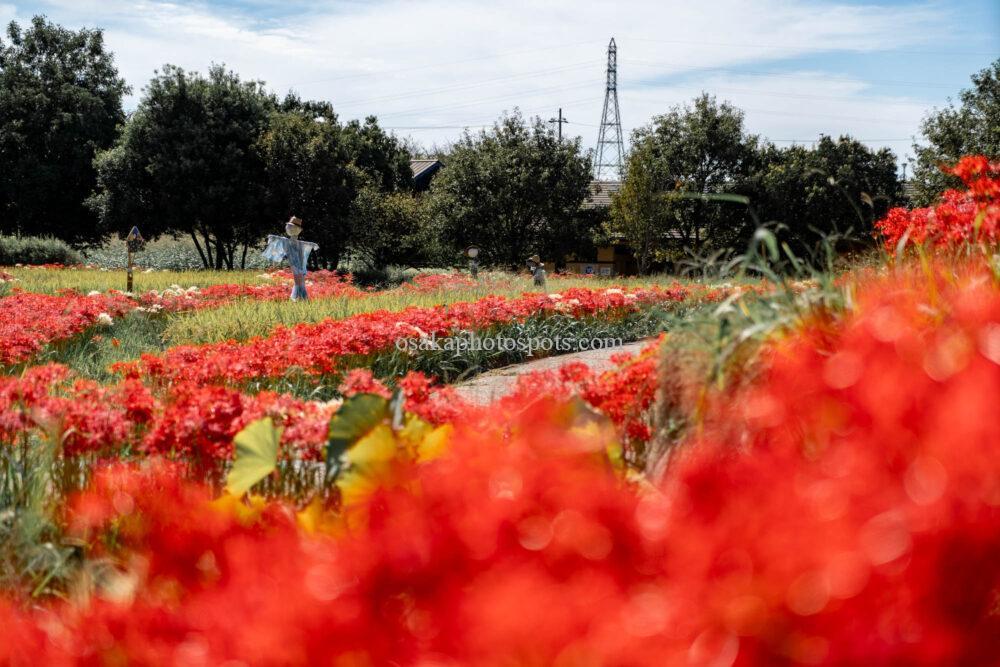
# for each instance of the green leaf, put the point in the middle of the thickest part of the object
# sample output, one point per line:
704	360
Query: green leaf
256	455
356	418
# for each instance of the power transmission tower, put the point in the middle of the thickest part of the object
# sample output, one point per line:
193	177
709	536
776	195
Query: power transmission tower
559	120
610	152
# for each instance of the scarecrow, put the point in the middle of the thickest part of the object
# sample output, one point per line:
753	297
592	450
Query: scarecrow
537	269
295	251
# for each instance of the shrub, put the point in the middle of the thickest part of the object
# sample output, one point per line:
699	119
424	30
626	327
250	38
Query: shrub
36	250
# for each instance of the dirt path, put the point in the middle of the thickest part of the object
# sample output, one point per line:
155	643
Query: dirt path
487	387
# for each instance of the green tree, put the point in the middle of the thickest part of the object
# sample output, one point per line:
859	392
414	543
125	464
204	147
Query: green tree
972	128
60	102
694	150
382	156
831	188
187	163
389	228
514	190
638	212
310	175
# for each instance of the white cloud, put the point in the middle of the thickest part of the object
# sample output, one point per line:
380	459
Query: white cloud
444	63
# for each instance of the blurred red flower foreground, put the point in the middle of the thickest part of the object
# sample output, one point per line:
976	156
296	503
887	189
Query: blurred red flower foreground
843	508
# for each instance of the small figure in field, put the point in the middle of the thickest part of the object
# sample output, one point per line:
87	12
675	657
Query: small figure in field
537	269
295	251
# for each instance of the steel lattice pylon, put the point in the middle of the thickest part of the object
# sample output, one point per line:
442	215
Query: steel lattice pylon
609	155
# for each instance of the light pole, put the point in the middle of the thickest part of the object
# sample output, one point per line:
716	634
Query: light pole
473	252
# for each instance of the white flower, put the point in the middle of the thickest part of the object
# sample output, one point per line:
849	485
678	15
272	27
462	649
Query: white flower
149	270
105	320
631	296
555	297
613	290
93	292
193	290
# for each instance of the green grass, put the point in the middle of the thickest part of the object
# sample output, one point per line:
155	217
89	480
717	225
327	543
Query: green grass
49	281
246	319
93	351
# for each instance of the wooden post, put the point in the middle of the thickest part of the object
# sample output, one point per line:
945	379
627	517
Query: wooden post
128	283
133	244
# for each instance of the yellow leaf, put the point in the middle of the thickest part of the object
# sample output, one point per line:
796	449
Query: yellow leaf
436	443
256	455
414	430
376	448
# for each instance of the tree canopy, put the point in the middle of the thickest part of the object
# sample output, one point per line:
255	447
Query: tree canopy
223	162
513	190
186	163
833	188
309	175
695	181
678	165
60	102
971	128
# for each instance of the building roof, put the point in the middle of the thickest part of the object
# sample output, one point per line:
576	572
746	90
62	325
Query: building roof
418	167
600	193
423	173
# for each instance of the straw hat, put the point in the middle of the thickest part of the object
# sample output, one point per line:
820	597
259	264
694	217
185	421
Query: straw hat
536	259
295	221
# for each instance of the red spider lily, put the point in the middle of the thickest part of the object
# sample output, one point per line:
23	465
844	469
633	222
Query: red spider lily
189	421
322	284
438	282
29	322
847	511
842	508
322	348
88	417
960	217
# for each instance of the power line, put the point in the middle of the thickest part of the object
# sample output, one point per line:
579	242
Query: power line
778	93
809	141
811	47
738	70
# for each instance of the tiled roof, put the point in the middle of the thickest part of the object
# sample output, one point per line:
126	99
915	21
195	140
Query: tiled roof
600	193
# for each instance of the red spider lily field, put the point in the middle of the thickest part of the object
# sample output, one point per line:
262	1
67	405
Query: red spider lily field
800	472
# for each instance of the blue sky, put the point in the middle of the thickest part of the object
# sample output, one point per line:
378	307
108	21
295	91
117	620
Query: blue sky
429	68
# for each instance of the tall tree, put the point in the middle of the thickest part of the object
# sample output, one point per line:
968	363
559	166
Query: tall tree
694	150
187	163
972	128
379	154
60	102
836	186
513	190
638	214
307	161
389	228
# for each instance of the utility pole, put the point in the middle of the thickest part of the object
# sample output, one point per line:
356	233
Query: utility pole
610	153
559	120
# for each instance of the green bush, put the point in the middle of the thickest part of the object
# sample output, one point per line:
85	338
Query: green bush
35	250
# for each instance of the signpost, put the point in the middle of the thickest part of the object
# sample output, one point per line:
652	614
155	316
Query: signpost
133	244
